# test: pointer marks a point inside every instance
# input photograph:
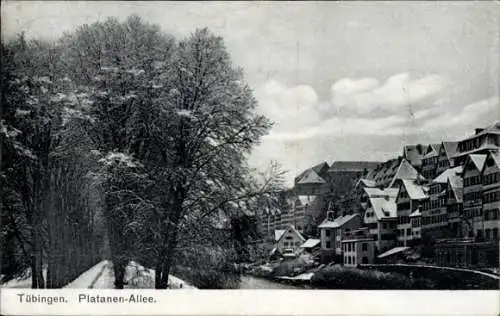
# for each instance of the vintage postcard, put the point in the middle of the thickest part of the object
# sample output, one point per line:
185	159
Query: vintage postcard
331	157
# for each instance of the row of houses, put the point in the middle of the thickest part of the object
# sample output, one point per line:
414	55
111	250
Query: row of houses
440	199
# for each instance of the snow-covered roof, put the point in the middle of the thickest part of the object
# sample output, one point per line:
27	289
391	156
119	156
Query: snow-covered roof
448	173
432	151
317	169
414	153
311	176
450	148
405	171
278	233
416	213
478	160
291	229
495	156
376	192
310	243
357	166
493	128
384	207
415	191
366	182
393	251
338	222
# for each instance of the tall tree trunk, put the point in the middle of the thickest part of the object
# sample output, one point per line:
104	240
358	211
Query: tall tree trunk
158	271
171	237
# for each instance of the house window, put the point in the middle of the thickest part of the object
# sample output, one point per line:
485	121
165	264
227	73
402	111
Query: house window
364	246
494	214
327	232
384	225
495	233
349	259
285	244
328	244
408	232
353	260
487	233
479	233
364	260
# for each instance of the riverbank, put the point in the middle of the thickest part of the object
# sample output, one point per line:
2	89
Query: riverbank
397	277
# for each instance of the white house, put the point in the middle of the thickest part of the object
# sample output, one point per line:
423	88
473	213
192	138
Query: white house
289	240
332	231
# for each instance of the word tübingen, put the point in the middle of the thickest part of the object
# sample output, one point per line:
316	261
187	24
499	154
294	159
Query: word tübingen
32	298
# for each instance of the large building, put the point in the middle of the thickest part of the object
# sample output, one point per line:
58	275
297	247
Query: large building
491	196
447	151
312	181
430	161
473	195
444	195
333	230
343	175
409	198
381	219
435	208
483	141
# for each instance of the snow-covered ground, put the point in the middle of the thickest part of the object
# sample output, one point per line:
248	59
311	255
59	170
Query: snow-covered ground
93	276
23	282
101	276
139	277
303	276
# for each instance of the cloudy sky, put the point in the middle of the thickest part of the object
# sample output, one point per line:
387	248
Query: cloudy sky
341	81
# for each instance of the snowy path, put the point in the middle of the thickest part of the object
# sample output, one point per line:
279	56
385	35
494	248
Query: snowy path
89	278
101	276
106	279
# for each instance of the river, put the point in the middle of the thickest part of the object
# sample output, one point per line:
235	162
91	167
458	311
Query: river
249	282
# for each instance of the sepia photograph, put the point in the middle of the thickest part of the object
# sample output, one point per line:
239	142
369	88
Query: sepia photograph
249	145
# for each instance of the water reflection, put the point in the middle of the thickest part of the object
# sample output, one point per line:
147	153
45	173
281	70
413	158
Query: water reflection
250	282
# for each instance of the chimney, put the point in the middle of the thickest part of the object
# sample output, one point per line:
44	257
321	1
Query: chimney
479	130
330	216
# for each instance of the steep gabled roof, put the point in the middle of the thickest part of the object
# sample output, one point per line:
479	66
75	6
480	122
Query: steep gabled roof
432	150
415	191
357	166
495	157
338	222
278	233
414	153
291	229
477	160
457	187
450	148
405	171
447	174
384	207
310	176
317	169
